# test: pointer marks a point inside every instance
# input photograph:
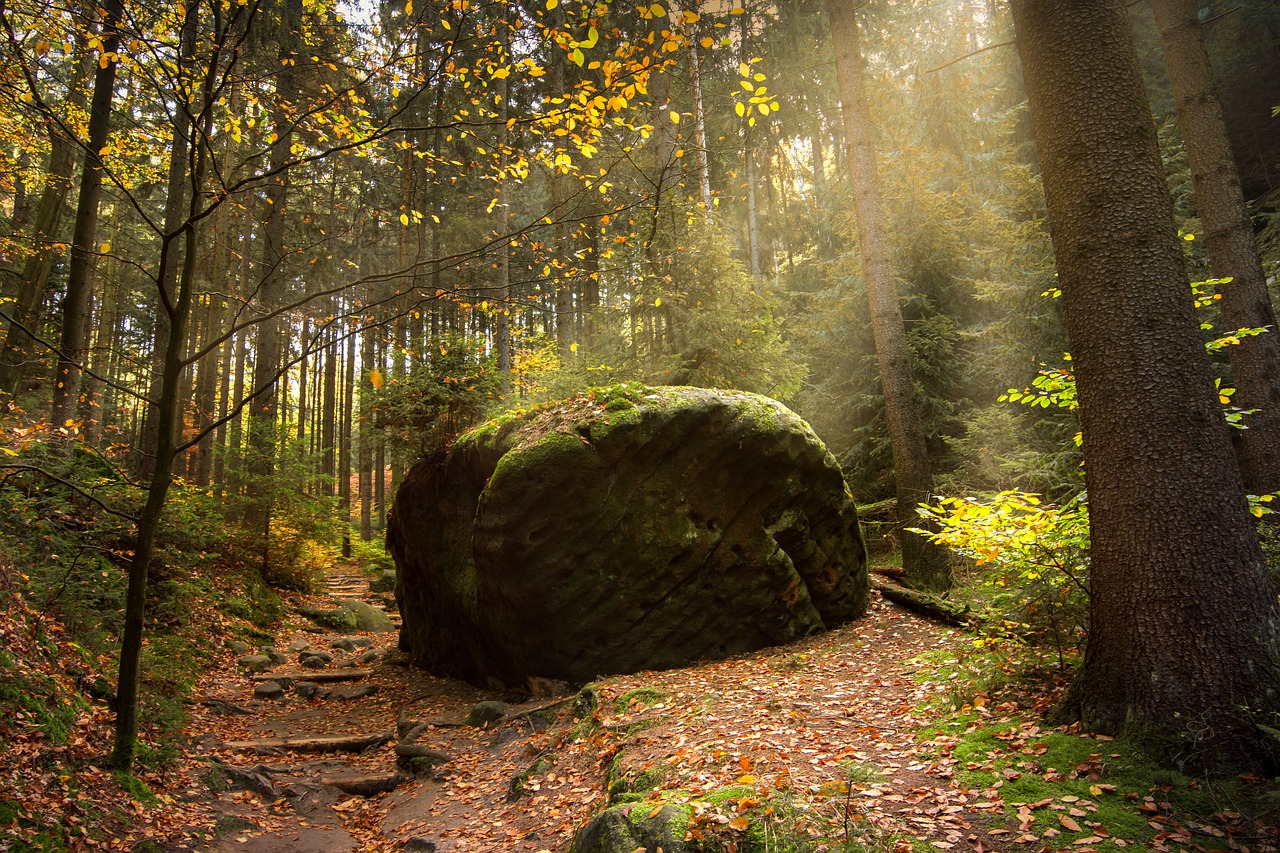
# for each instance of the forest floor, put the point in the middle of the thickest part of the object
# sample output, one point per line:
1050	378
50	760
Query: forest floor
876	736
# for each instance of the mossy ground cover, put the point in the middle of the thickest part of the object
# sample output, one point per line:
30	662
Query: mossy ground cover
1059	788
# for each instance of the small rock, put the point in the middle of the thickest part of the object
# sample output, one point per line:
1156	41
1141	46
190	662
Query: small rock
238	648
277	658
350	644
418	844
315	653
352	691
306	689
385	582
255	663
484	713
312	662
268	690
368	657
299	645
419	758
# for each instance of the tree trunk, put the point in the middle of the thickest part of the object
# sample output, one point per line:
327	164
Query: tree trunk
84	249
1233	252
926	563
502	288
329	415
44	230
169	403
1184	639
365	462
344	443
700	132
269	358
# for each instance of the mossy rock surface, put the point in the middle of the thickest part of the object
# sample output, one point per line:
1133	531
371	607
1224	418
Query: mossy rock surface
626	529
350	615
631	826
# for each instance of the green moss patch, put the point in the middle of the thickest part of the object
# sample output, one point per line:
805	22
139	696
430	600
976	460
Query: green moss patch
1071	790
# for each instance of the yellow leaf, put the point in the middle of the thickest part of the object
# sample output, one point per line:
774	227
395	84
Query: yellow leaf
764	109
573	347
691	17
707	42
658	11
408	7
739	823
435	219
375	378
739	109
744	69
404	219
657	302
551	4
738	11
106	247
675	117
500	73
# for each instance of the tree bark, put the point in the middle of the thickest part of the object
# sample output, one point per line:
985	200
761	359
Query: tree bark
44	229
269	358
926	563
1184	640
365	461
76	306
169	402
1233	251
344	443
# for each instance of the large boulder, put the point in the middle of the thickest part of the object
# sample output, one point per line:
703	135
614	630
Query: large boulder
629	528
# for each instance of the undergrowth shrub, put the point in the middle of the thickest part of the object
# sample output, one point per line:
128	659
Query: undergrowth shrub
1033	559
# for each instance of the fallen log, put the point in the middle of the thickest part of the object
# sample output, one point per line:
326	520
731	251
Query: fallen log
366	784
926	604
319	743
318	676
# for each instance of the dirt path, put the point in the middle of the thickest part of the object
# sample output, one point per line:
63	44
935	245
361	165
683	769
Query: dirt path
827	724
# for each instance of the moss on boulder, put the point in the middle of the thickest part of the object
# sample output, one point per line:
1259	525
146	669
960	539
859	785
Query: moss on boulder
628	528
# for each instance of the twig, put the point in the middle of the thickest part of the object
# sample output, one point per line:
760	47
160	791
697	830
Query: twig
971	53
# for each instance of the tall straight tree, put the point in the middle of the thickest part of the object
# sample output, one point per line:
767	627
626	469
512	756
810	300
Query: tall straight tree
76	304
1233	251
925	563
264	411
31	284
1184	641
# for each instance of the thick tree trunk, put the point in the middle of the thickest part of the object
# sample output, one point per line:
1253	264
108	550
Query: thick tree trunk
84	249
1233	252
1184	640
926	563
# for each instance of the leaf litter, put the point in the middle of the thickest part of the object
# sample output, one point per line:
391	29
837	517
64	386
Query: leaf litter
847	728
